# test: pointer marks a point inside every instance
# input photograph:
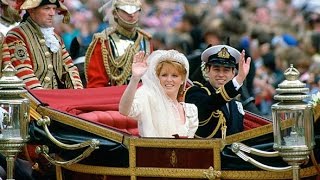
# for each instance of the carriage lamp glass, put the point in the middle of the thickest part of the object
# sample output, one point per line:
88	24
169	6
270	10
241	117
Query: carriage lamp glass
14	116
293	120
300	134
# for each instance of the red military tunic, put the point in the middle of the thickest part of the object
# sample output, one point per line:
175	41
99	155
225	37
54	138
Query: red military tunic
109	57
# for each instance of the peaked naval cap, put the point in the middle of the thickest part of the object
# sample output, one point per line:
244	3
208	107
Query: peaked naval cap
221	55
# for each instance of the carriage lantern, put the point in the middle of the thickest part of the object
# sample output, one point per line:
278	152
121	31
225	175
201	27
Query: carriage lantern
293	121
14	116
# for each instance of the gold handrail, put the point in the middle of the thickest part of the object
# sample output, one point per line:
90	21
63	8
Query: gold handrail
44	150
45	122
93	144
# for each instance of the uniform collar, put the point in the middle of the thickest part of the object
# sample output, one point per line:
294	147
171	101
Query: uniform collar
126	33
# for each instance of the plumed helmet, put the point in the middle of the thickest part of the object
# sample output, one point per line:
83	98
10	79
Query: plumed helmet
129	6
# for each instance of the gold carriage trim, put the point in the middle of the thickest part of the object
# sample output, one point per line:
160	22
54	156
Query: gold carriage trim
132	143
133	171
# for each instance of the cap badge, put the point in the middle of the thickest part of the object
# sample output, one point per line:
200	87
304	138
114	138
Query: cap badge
53	1
223	53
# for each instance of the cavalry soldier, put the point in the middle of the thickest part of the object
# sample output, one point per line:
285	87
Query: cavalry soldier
37	52
109	56
217	108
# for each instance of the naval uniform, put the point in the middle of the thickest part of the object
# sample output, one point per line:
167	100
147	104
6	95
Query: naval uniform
214	114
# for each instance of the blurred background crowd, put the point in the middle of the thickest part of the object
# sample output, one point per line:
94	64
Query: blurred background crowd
275	33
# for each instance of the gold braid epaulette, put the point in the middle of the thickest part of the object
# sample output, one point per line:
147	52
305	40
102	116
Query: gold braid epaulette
202	86
111	64
221	122
144	33
102	36
198	83
223	93
123	62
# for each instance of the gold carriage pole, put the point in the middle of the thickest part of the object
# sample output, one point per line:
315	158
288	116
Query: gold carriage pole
294	139
14	116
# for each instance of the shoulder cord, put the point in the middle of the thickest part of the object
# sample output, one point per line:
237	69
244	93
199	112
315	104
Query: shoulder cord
125	61
221	122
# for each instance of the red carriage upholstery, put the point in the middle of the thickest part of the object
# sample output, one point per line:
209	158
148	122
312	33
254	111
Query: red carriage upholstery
113	119
252	121
125	124
100	106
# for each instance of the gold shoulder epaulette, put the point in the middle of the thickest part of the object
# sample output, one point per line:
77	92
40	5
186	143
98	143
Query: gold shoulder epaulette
207	90
105	33
99	35
145	33
198	83
109	30
223	93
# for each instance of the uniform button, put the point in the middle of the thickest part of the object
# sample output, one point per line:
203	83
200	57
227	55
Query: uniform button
50	66
42	41
47	79
47	54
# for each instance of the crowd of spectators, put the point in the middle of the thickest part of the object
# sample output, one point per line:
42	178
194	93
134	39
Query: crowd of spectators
275	33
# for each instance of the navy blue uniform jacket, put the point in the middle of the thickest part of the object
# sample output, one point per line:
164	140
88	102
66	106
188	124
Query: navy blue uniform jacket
210	102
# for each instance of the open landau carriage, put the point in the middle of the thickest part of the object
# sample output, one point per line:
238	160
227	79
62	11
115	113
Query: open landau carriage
84	136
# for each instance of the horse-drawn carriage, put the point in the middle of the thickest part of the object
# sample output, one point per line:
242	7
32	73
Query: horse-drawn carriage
82	133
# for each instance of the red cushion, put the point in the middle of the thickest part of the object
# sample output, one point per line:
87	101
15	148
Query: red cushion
251	121
113	119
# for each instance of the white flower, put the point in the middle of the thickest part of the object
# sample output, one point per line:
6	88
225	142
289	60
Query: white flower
315	98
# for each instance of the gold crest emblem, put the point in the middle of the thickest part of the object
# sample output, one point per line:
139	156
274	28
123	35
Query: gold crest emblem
223	53
173	159
20	51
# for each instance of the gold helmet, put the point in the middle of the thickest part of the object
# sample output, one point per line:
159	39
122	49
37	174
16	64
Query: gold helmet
129	6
